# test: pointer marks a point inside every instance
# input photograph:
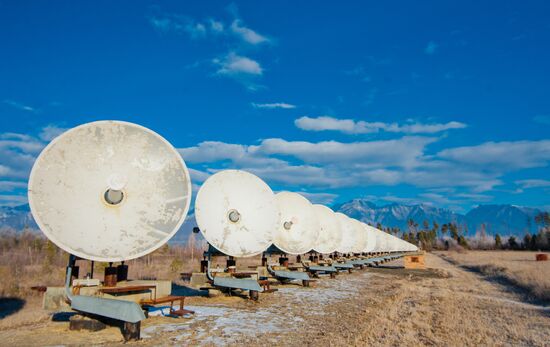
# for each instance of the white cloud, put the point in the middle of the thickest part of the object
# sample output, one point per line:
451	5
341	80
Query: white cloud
19	106
197	175
498	156
13	200
209	28
273	105
246	34
9	186
399	152
50	132
328	123
18	153
319	198
533	183
333	164
351	126
431	48
233	64
216	26
196	30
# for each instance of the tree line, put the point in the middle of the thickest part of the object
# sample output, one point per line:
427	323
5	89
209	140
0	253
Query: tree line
448	235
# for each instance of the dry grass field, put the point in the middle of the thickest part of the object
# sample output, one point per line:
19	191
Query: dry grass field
517	269
445	305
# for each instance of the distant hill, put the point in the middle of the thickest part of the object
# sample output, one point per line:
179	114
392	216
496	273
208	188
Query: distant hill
17	218
502	219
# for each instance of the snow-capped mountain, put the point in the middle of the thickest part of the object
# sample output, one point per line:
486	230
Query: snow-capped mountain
17	218
502	219
397	215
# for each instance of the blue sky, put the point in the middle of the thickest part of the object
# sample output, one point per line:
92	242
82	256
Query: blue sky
444	103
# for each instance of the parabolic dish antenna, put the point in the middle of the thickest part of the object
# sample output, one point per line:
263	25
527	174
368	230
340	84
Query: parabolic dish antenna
237	213
348	233
109	191
360	236
298	227
380	240
330	233
371	238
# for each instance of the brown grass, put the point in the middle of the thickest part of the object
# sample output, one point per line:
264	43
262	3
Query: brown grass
516	268
28	260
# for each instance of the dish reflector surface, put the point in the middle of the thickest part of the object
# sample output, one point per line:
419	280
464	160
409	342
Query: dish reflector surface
109	191
360	236
371	238
237	213
298	227
348	233
330	233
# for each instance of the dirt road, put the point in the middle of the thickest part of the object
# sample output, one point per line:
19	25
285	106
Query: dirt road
445	305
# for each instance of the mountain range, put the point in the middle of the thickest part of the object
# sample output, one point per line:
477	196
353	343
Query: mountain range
501	219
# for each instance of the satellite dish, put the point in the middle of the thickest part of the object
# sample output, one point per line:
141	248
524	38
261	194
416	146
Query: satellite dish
380	240
330	233
348	233
109	191
371	238
237	213
360	236
298	227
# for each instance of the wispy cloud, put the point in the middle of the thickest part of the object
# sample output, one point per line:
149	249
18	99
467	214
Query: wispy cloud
9	186
50	132
182	24
509	155
19	106
240	68
319	198
235	34
273	105
533	183
234	64
351	126
246	34
431	48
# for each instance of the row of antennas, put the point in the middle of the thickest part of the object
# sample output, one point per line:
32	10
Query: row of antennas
113	191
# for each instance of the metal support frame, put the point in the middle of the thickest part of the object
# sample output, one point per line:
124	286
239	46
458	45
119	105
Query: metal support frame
230	283
128	313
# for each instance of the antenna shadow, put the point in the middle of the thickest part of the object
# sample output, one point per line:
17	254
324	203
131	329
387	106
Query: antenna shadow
9	306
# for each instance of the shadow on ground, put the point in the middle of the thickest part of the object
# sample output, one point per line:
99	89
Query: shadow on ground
187	291
524	293
9	306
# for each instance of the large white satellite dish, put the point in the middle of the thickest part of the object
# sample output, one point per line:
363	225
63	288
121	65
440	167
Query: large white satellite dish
371	238
330	233
348	233
360	236
298	227
237	213
109	191
380	240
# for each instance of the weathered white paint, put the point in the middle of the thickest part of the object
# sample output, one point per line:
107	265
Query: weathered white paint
348	233
360	236
70	176
371	238
330	232
234	190
302	226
